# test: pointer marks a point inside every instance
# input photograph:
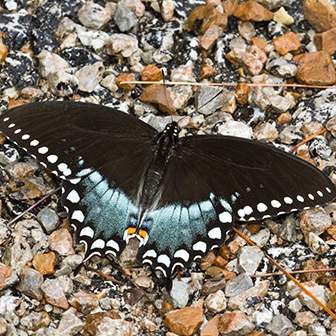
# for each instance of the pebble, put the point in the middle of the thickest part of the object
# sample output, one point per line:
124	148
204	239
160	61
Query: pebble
92	15
84	302
280	325
157	94
30	283
318	291
326	41
184	321
283	17
304	319
250	299
124	17
50	62
215	302
314	220
234	323
265	132
89	76
54	294
282	67
320	15
249	258
123	44
62	83
252	11
48	219
315	68
70	324
254	60
167	10
211	328
238	285
286	43
45	263
61	242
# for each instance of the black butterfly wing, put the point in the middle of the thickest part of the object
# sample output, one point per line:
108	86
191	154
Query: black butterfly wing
220	179
101	152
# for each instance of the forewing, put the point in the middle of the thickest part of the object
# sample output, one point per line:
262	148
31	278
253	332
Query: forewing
101	152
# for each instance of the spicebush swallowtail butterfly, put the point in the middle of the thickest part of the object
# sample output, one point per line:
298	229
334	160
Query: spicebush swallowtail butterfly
178	196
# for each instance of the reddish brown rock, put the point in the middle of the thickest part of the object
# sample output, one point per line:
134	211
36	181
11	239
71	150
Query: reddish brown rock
234	323
166	307
185	321
289	42
61	242
259	43
206	71
312	264
125	77
207	261
157	94
332	231
220	262
254	60
151	73
252	11
45	263
5	272
235	56
320	14
326	41
229	6
211	328
210	16
315	68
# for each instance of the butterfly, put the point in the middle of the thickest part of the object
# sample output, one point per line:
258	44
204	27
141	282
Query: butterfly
179	196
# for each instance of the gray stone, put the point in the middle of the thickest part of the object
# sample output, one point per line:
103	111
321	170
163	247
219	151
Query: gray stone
287	231
50	62
89	76
280	325
62	83
179	294
122	44
249	258
70	324
290	135
124	17
48	219
92	15
317	330
238	284
319	146
215	302
31	282
317	244
282	67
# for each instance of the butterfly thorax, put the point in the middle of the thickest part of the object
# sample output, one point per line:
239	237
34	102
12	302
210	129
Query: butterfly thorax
165	144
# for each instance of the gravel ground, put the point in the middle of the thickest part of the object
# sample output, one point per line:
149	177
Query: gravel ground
71	50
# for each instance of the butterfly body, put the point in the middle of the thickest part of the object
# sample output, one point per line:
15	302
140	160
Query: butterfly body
178	196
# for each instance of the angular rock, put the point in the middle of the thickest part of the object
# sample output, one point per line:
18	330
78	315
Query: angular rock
215	302
252	11
31	282
185	321
238	285
61	241
89	76
92	15
316	68
286	43
48	219
320	14
280	325
234	323
53	293
326	41
45	263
